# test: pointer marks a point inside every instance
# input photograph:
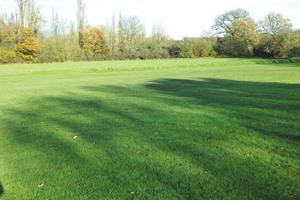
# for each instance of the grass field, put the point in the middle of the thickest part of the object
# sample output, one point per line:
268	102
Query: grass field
163	129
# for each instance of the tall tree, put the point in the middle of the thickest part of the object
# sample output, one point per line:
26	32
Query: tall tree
55	23
134	31
121	35
158	32
275	23
112	36
239	33
226	23
81	19
275	28
21	9
29	14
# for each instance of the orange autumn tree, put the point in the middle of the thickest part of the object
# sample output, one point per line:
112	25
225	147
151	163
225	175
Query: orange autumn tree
27	46
93	42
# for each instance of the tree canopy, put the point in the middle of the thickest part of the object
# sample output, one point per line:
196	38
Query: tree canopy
234	33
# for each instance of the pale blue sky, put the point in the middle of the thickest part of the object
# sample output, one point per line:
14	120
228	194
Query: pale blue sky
181	18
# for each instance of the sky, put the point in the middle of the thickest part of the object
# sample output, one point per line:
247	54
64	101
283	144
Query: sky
180	18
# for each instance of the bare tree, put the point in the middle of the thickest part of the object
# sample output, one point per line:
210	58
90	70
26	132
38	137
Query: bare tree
29	14
81	19
21	9
121	34
55	23
113	35
158	32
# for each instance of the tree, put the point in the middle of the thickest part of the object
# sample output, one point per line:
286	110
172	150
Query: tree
291	45
234	33
274	29
29	14
53	47
113	36
81	20
131	34
55	23
275	23
239	33
158	33
21	9
8	30
226	24
93	41
121	35
28	47
110	32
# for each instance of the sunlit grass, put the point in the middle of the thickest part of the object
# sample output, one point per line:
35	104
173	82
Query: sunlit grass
161	129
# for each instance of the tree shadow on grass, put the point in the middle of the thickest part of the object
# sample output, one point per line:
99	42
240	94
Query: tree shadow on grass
254	103
1	190
169	139
292	62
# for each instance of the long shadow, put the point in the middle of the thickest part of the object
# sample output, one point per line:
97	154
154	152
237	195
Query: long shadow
251	101
292	62
172	139
38	129
1	190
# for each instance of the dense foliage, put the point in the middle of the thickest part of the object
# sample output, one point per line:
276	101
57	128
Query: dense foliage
234	34
93	42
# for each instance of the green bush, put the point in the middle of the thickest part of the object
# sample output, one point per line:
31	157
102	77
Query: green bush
291	45
234	47
7	56
213	54
191	48
52	53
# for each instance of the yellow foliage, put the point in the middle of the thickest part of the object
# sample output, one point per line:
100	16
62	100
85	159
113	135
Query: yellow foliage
213	54
27	48
244	28
11	33
7	56
94	41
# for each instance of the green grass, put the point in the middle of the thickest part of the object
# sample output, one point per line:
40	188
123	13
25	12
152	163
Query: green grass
164	129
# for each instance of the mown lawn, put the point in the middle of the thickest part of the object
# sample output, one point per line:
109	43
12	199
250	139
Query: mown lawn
163	129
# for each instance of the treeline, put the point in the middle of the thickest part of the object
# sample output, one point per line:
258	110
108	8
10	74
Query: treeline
24	38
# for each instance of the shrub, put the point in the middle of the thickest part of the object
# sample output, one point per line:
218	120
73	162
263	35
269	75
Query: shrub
234	46
213	54
7	56
174	50
52	53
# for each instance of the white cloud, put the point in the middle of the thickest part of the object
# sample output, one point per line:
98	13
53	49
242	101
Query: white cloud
180	17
